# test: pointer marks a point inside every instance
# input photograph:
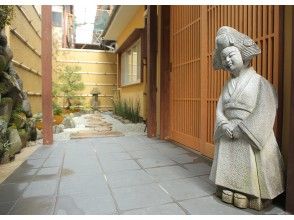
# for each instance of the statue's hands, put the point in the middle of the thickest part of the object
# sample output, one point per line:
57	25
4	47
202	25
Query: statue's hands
227	130
237	133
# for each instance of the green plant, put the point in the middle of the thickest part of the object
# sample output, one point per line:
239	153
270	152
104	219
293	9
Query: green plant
57	110
6	15
70	83
127	110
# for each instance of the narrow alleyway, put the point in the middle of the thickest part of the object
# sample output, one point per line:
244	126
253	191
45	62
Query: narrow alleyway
114	175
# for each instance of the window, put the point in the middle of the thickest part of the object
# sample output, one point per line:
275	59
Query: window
57	19
131	64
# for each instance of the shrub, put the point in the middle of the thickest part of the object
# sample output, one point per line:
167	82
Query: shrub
57	110
70	84
6	15
127	110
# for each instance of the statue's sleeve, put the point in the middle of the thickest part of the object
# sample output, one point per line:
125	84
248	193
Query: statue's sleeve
220	118
258	126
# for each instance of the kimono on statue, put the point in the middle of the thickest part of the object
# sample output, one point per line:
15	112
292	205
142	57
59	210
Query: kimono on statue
251	164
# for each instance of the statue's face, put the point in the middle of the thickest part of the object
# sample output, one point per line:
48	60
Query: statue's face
232	60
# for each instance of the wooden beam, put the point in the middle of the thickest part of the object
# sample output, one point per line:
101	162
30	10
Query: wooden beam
290	167
165	73
134	36
46	58
204	81
151	69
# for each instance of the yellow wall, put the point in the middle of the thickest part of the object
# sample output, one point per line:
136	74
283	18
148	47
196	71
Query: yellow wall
136	22
98	68
27	63
135	92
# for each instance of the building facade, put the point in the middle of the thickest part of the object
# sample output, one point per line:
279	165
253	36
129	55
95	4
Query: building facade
181	86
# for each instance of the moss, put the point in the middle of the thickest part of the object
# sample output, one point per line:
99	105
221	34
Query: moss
3	88
18	119
11	127
4	118
18	108
6	100
6	15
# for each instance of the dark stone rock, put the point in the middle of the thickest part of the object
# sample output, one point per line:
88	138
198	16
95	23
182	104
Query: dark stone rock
14	141
26	106
15	109
31	129
19	119
24	137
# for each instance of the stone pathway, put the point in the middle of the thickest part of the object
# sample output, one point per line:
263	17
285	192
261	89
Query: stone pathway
114	175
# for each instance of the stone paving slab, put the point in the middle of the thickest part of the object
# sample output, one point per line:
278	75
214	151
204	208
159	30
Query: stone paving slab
129	178
114	175
183	189
21	175
41	188
166	209
94	184
140	196
34	206
213	206
85	205
169	173
155	162
114	156
5	207
11	192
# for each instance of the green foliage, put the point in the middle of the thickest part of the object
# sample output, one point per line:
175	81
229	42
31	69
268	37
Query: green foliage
70	83
6	15
127	110
57	110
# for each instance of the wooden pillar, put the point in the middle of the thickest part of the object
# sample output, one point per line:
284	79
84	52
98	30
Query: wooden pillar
46	48
151	69
290	167
203	79
165	73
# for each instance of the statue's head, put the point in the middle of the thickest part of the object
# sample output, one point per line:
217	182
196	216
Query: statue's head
229	37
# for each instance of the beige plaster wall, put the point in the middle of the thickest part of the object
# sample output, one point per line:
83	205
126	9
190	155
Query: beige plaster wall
98	68
135	92
24	38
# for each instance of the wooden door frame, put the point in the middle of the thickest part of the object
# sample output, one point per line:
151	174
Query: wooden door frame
151	69
165	73
290	167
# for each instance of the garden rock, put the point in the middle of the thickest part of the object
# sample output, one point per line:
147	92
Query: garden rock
39	134
19	119
26	105
68	122
31	129
15	108
5	158
58	128
24	137
15	141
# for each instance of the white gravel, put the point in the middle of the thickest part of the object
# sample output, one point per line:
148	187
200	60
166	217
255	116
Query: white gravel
126	129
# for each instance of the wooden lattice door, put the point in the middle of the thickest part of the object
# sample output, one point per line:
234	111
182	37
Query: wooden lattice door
195	86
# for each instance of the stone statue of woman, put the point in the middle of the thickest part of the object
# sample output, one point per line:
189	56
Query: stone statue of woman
247	166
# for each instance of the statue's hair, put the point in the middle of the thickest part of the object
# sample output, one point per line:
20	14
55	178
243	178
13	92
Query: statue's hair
226	37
